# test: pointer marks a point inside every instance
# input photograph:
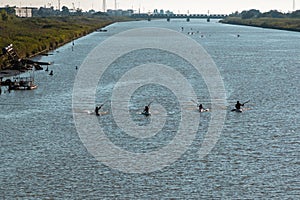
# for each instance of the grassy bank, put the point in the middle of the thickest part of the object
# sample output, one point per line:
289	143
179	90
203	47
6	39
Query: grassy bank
31	36
290	24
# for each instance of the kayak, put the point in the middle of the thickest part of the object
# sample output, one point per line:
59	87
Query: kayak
237	110
204	110
93	113
146	113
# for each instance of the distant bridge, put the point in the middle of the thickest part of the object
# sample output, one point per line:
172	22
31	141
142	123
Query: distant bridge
179	16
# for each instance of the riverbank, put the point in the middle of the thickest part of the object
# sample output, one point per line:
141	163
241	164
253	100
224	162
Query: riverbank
32	36
289	24
43	154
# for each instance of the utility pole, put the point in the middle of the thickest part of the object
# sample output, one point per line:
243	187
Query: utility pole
104	5
115	4
59	5
294	5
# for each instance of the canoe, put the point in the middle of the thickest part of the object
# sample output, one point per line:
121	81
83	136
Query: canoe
146	113
204	110
237	110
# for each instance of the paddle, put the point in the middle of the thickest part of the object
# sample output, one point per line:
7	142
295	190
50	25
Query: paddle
103	103
195	102
150	102
146	111
99	107
242	105
246	102
198	104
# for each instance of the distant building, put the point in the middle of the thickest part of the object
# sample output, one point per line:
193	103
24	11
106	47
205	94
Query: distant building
111	12
119	12
128	12
169	12
162	12
45	12
25	11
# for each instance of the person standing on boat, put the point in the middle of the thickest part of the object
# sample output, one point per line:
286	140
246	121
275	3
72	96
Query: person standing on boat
201	109
97	110
146	109
238	105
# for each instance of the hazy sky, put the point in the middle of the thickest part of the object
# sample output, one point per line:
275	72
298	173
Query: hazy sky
177	6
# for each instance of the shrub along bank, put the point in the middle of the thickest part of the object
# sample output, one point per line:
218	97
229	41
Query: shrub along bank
31	36
290	24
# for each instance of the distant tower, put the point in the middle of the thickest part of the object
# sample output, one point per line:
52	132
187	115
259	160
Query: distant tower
115	4
208	16
104	5
58	4
294	5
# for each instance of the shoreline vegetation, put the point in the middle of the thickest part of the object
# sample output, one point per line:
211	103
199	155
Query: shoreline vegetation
38	35
288	24
272	19
34	36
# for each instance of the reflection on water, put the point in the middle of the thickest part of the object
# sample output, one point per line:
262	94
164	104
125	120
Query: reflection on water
256	156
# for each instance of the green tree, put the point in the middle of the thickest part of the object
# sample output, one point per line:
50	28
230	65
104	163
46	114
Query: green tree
4	15
65	11
273	14
250	14
295	14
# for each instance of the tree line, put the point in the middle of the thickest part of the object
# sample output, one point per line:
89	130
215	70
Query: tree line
47	12
253	13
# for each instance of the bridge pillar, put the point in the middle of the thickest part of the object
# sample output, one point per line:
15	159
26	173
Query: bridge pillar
168	19
188	19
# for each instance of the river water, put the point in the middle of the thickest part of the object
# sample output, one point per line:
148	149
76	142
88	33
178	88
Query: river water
255	156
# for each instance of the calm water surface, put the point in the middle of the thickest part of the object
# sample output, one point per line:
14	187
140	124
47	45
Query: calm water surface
256	156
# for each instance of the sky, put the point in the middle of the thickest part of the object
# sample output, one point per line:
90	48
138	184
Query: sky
177	6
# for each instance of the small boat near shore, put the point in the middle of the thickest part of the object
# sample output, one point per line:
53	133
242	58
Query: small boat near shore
26	83
18	80
20	83
19	74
